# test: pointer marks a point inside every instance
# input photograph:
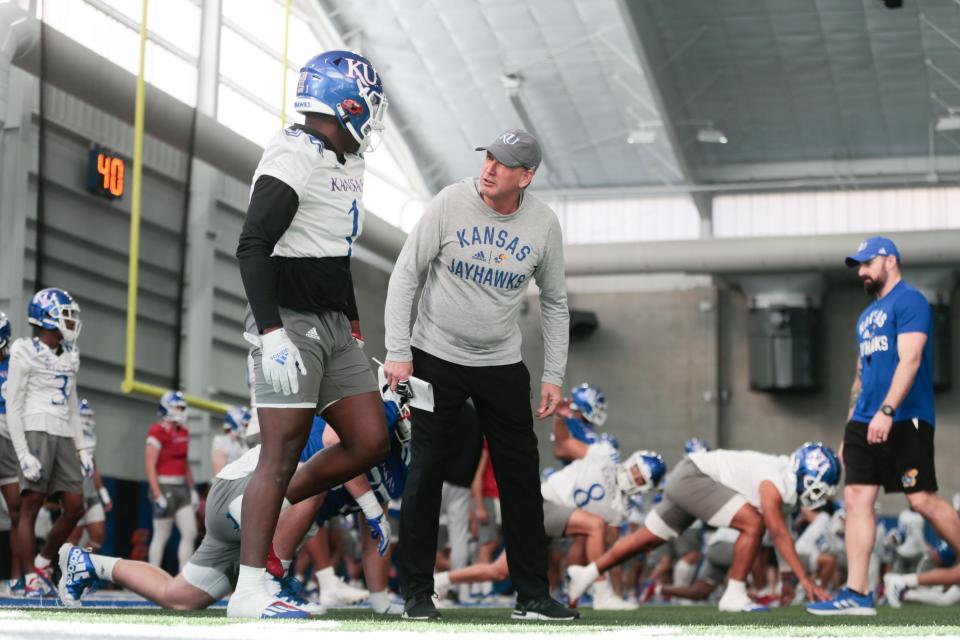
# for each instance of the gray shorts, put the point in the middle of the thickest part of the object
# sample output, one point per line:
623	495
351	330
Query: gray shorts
336	365
61	466
692	494
9	465
490	532
214	566
717	559
90	494
178	497
555	518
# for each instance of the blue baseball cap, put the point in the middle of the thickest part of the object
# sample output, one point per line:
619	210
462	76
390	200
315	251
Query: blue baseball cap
871	248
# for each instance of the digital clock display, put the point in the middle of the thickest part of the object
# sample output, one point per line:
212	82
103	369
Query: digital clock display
105	172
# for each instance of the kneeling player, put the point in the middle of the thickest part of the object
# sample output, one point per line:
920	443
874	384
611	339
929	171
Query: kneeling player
211	573
744	490
580	500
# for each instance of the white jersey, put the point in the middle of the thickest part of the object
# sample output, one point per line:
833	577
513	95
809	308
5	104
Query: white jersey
819	537
590	483
242	466
230	446
914	544
41	389
330	214
743	471
89	425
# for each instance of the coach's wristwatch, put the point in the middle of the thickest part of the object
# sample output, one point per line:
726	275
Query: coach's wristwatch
887	410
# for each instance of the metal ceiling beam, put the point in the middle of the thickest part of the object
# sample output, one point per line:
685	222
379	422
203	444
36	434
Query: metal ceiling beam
653	64
725	256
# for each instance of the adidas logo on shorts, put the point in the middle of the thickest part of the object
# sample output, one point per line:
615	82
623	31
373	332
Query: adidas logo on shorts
312	333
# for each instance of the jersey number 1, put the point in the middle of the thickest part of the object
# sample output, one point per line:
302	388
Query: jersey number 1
355	212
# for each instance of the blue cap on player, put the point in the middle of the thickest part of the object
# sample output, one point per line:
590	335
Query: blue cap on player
871	248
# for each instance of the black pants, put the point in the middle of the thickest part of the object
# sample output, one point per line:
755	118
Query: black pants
501	395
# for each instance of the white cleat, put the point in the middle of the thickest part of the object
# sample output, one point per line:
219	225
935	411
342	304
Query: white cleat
262	606
894	586
580	580
340	594
605	599
289	591
441	582
77	574
741	605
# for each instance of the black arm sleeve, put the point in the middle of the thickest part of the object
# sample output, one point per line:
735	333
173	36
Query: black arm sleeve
352	312
272	207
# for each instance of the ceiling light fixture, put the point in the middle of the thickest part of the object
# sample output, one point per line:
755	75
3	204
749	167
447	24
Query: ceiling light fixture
711	135
641	136
948	123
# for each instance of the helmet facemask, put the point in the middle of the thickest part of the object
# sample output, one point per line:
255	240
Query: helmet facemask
370	133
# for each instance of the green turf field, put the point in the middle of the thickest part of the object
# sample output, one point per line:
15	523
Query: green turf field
668	622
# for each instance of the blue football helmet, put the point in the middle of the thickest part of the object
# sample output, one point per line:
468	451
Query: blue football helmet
5	332
173	407
55	309
589	401
818	473
345	85
944	555
236	420
651	466
86	411
695	444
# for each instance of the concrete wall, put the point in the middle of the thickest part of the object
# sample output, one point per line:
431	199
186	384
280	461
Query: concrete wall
85	251
657	354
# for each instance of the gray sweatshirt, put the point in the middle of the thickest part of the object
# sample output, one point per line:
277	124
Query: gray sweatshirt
478	264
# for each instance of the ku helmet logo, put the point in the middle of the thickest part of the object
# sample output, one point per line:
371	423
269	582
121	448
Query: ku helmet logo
360	70
816	460
509	138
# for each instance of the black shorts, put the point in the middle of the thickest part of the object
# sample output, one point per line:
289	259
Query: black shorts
902	464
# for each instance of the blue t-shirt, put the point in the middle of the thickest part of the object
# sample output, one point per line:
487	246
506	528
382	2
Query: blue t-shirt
4	370
902	310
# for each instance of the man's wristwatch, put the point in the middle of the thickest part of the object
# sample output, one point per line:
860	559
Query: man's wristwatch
887	410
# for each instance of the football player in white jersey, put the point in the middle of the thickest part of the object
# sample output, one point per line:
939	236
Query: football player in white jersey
743	490
9	466
231	444
96	497
305	212
578	501
43	416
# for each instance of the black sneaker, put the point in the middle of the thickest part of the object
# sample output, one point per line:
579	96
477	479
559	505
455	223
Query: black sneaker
420	607
544	609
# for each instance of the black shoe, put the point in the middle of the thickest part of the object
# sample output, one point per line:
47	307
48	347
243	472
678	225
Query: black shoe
544	609
420	607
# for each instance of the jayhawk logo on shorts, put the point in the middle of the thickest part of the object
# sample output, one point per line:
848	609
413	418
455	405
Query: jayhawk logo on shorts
909	479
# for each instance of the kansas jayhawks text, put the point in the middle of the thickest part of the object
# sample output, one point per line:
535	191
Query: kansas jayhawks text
491	236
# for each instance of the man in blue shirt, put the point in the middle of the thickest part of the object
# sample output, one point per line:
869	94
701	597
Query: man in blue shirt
889	437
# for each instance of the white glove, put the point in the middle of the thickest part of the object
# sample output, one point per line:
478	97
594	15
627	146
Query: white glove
30	467
279	360
376	520
160	506
105	497
86	462
194	499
